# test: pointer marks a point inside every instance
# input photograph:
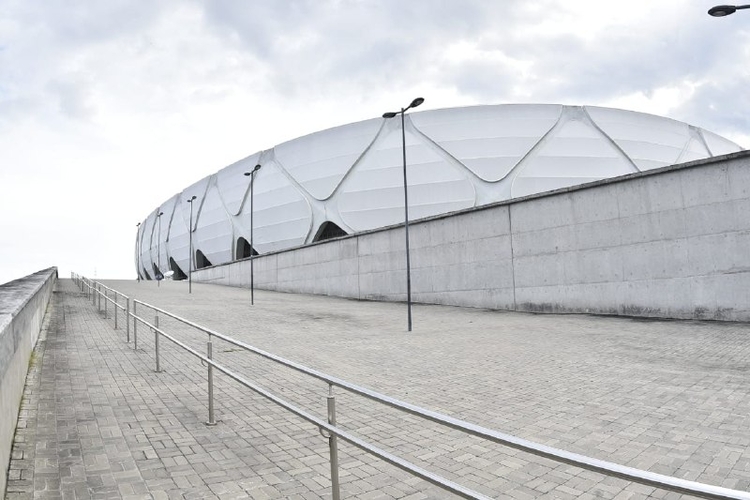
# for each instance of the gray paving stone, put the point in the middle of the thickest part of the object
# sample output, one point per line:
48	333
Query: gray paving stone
96	421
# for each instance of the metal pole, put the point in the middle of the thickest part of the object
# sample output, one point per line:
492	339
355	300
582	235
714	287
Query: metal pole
332	446
406	223
158	253
99	291
114	305
190	265
138	252
127	318
209	355
156	342
252	243
106	296
135	326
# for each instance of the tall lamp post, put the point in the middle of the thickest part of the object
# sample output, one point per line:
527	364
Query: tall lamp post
251	174
138	251
391	114
158	253
190	233
725	10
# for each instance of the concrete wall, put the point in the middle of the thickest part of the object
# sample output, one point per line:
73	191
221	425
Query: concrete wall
672	242
23	303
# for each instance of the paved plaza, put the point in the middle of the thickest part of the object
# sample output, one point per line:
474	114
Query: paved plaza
97	421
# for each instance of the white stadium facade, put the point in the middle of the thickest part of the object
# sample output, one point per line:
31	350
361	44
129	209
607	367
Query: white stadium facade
349	179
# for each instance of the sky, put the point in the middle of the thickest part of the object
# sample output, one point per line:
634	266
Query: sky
108	108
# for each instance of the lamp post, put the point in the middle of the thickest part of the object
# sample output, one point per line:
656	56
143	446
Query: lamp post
190	233
391	114
158	252
138	252
725	10
252	243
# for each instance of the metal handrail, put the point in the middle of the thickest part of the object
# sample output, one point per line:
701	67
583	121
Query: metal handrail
323	425
593	464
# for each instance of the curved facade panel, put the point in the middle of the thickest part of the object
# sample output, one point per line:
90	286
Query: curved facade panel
350	178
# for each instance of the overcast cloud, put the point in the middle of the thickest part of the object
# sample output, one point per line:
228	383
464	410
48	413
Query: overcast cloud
109	108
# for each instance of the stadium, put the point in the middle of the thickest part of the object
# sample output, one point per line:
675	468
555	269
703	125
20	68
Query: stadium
349	179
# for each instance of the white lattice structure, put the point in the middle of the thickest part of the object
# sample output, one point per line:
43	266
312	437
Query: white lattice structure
351	176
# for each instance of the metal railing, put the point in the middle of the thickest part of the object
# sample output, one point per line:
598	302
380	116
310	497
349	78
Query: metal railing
329	429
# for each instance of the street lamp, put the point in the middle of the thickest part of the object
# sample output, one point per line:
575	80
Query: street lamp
725	10
190	232
158	253
391	114
138	251
252	244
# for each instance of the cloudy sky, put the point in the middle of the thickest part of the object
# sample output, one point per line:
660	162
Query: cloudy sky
108	108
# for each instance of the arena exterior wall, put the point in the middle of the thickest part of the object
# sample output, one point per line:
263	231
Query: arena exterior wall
671	242
349	179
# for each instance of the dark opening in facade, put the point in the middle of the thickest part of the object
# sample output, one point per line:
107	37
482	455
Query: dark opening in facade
157	274
244	250
328	230
178	274
201	261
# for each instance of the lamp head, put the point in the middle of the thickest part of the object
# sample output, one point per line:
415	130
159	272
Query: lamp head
722	10
190	200
416	102
160	214
390	114
138	224
255	169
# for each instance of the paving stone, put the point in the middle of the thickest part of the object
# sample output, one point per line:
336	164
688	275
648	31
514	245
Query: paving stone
97	421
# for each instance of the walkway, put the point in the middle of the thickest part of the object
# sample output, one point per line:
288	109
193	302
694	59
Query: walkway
97	422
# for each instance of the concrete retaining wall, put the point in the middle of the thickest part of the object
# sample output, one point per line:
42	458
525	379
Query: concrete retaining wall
673	242
23	303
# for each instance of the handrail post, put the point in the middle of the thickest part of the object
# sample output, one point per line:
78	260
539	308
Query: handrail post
135	326
210	355
156	341
127	319
105	303
333	446
115	307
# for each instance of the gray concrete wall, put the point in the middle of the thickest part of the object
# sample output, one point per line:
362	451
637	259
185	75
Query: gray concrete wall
673	242
23	303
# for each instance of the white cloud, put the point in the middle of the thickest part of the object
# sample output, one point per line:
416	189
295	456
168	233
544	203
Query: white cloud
109	108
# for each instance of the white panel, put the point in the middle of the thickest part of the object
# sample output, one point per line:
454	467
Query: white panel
718	145
199	191
162	232
373	193
282	215
148	244
233	184
179	248
650	141
319	161
489	140
695	150
572	154
213	230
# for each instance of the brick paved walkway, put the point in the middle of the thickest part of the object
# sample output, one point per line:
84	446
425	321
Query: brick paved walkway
97	421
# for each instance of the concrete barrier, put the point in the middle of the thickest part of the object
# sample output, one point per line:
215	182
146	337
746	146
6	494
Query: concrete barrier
23	303
671	242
